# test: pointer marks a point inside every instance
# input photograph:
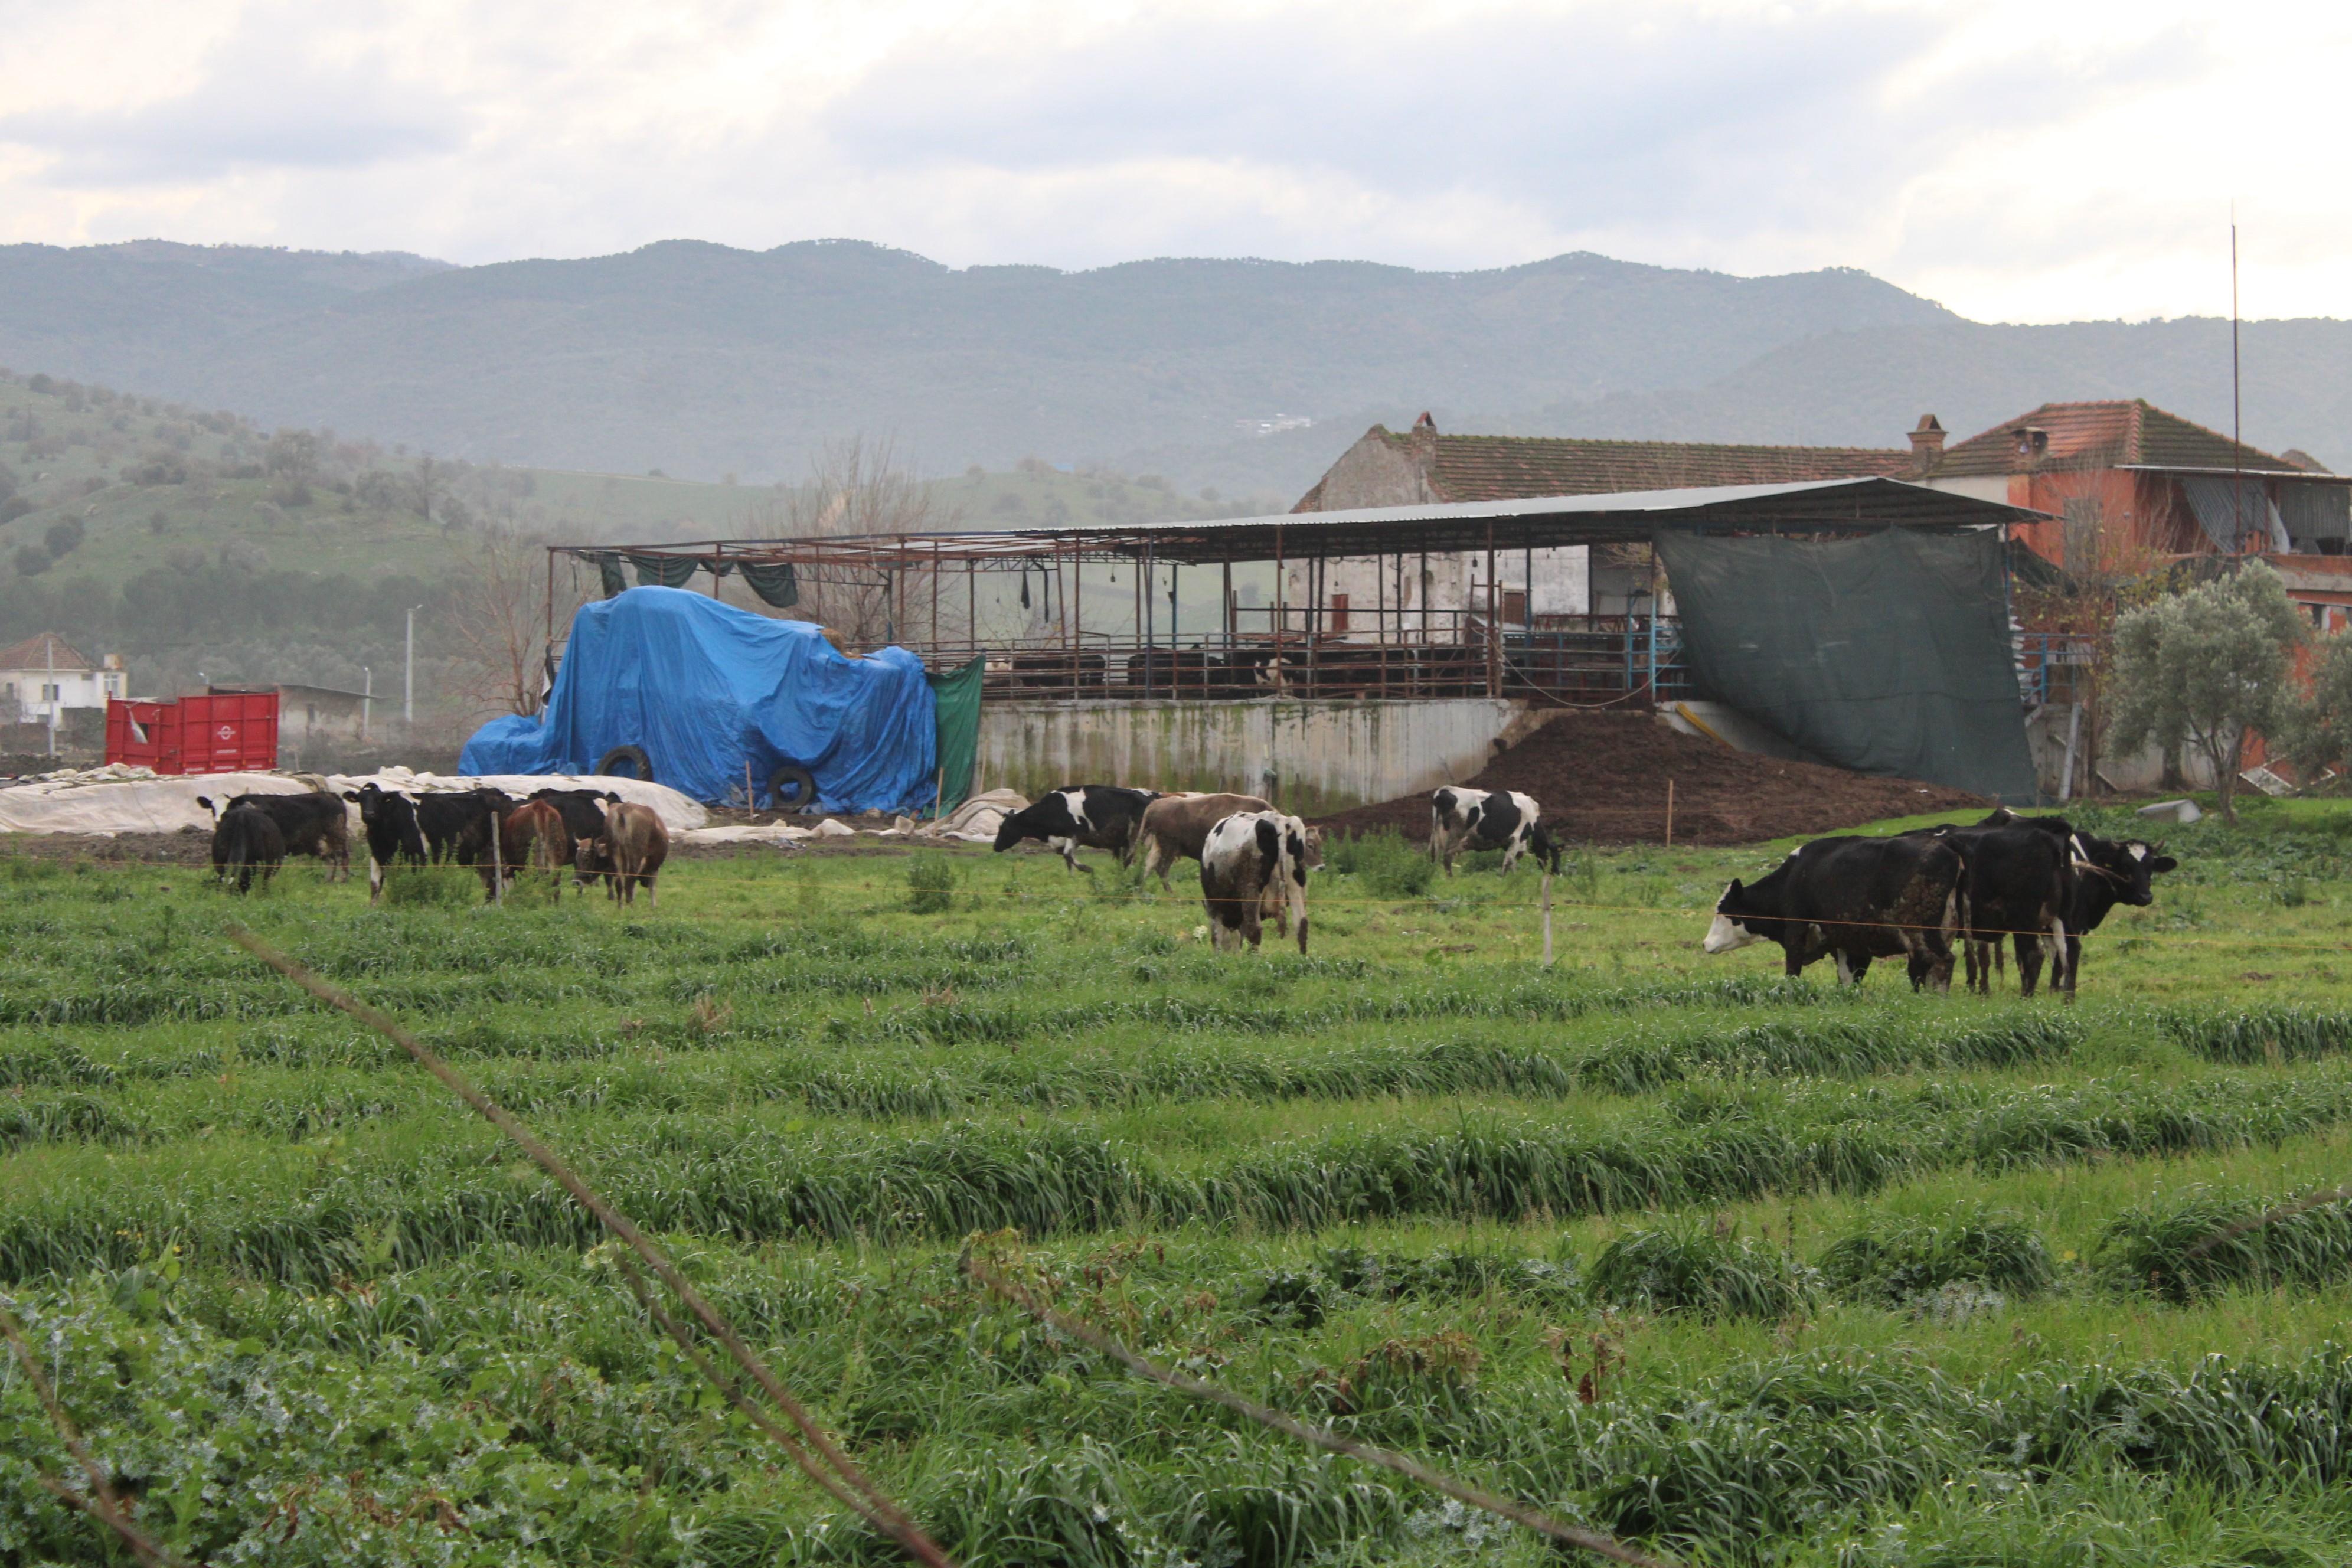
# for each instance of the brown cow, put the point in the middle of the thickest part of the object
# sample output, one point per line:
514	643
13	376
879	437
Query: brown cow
1174	827
533	838
629	851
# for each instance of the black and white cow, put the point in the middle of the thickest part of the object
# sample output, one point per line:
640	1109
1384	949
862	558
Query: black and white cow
243	840
389	821
1252	864
1081	817
312	823
1854	899
1462	819
462	825
2107	872
2017	885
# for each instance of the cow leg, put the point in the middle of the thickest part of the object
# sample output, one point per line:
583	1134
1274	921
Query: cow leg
375	879
2029	962
1846	976
2061	962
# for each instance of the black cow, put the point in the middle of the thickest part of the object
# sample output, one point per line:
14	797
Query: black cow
1854	899
314	823
2107	872
1081	817
1500	819
2017	885
246	838
582	810
389	820
463	826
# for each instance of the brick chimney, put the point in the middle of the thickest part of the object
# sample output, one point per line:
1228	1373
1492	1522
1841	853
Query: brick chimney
1926	444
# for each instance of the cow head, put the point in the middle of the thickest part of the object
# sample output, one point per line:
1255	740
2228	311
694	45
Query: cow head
2129	868
1730	930
205	801
1308	850
1544	847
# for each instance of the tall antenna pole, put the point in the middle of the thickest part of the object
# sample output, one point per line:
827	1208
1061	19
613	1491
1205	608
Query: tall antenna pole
2236	413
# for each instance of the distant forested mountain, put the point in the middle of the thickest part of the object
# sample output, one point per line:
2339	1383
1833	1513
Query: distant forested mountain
704	361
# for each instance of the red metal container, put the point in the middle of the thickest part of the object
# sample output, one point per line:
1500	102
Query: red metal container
219	732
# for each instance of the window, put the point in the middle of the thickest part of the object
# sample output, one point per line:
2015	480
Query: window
1515	606
2081	535
49	692
1338	612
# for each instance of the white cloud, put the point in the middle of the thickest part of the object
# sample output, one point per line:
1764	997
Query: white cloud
2018	160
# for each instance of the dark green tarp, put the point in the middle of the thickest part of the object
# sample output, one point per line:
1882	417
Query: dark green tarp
1886	654
779	585
957	697
665	571
608	568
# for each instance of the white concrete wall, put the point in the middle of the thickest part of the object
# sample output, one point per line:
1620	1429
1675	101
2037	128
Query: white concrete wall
2140	773
1310	757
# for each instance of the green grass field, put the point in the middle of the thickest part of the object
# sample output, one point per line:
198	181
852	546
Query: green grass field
1746	1270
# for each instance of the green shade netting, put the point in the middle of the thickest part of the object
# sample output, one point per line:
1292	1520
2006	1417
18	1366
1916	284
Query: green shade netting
1887	654
957	694
665	571
779	585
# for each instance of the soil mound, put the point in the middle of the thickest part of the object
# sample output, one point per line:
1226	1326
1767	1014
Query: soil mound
1601	778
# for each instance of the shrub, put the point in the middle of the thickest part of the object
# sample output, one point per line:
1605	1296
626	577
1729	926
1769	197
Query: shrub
1391	865
64	536
31	561
1707	1271
1901	1262
930	885
444	886
14	507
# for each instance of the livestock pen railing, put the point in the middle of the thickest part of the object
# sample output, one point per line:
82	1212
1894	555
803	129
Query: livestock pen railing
1572	660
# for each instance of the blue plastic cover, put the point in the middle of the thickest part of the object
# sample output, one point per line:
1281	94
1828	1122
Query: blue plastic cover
703	686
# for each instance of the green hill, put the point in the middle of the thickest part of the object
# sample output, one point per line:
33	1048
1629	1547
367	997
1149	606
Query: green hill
205	548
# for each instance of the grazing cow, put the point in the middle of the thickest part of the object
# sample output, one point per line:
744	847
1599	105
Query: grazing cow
2017	884
1081	817
389	820
1252	863
629	852
2107	872
313	824
583	809
1856	898
458	823
1488	819
535	837
243	839
1174	826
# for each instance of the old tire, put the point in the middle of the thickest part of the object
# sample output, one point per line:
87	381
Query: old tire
633	758
791	787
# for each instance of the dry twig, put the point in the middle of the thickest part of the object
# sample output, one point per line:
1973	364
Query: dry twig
1413	1469
845	1481
99	1502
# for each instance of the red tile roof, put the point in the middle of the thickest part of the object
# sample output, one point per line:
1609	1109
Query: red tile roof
36	652
2110	434
1503	468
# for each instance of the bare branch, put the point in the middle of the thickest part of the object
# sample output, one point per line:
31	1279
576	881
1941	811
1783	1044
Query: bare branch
1316	1436
99	1502
851	1485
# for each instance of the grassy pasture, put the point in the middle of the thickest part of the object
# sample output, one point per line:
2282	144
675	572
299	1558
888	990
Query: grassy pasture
1754	1271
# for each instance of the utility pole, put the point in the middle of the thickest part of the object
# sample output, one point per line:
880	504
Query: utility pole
367	698
49	690
2237	419
408	674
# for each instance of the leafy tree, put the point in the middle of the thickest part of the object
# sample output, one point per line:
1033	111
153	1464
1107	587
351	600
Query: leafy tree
293	455
31	560
2320	735
2209	666
64	536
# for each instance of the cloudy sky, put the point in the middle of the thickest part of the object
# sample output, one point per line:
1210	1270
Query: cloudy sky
2018	160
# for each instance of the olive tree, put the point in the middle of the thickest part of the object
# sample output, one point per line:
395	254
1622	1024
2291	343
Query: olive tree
2207	667
2320	736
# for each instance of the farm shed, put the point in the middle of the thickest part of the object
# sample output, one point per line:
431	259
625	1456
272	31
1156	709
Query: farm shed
1363	680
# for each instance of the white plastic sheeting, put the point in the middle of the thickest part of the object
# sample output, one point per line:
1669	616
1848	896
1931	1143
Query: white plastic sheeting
103	802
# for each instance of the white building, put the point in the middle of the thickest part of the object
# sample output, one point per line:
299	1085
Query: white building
44	676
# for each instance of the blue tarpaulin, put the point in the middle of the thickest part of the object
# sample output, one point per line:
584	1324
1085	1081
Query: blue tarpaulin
703	686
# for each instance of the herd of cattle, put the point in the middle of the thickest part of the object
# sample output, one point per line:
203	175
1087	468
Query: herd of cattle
595	833
2034	883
